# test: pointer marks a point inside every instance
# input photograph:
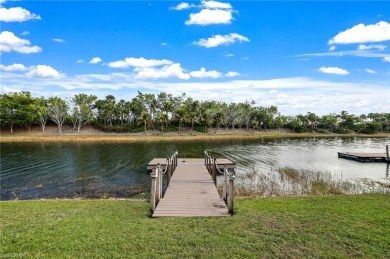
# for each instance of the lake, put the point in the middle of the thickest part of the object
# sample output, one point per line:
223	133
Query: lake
68	170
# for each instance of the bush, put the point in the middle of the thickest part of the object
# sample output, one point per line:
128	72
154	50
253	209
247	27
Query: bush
126	127
342	131
300	129
372	127
137	129
201	129
171	128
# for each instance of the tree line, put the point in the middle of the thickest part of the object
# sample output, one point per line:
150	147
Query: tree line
165	112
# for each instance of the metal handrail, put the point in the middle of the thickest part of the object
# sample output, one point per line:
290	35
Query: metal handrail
228	183
157	175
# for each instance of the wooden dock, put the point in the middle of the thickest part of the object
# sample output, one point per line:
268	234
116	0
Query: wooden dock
367	157
191	190
364	157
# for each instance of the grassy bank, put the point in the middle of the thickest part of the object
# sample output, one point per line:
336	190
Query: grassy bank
170	137
330	226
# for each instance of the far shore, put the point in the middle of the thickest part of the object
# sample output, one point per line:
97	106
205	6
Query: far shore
89	134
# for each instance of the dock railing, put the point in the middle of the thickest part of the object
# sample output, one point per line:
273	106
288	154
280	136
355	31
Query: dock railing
228	182
157	180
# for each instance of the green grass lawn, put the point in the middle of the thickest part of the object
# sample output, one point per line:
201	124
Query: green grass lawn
331	226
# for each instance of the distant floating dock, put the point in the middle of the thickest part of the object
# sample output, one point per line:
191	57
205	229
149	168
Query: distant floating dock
364	157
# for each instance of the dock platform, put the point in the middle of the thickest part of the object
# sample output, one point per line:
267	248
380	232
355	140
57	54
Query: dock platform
182	161
365	157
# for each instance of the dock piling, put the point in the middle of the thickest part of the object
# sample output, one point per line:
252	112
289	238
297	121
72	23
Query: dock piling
214	175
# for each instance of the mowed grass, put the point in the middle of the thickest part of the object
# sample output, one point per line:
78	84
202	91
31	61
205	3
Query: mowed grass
330	226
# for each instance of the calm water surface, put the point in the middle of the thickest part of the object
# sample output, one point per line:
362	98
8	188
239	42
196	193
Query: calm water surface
50	170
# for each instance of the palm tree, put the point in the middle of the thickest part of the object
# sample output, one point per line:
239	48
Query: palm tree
181	114
121	110
145	118
219	118
193	117
162	119
207	118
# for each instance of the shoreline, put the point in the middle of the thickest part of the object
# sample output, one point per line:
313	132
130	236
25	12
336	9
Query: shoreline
123	137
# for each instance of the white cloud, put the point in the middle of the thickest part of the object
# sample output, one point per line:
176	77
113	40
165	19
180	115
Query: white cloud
371	46
386	59
216	5
163	44
229	55
333	70
80	61
182	6
139	62
356	53
167	71
210	16
17	14
363	33
13	67
232	74
218	40
95	60
9	42
370	71
25	33
94	78
58	40
44	71
331	48
202	73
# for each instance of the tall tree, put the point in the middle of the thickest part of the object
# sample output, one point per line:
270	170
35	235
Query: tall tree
41	110
146	118
329	122
181	115
57	111
280	121
165	102
82	109
8	111
162	119
121	110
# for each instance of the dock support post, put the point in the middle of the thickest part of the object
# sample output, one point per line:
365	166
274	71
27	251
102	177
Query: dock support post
169	169
231	195
176	154
225	185
214	175
159	183
154	176
205	160
387	152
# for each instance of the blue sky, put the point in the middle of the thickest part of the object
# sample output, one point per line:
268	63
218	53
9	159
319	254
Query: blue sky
303	56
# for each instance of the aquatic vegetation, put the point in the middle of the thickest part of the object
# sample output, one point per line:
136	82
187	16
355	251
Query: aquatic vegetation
292	182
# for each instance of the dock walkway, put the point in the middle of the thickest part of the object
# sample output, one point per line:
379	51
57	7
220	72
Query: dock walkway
191	189
191	192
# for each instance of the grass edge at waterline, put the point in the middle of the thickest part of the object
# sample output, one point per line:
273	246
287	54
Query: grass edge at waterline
8	138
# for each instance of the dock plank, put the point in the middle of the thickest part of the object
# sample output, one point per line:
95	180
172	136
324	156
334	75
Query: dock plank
191	192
